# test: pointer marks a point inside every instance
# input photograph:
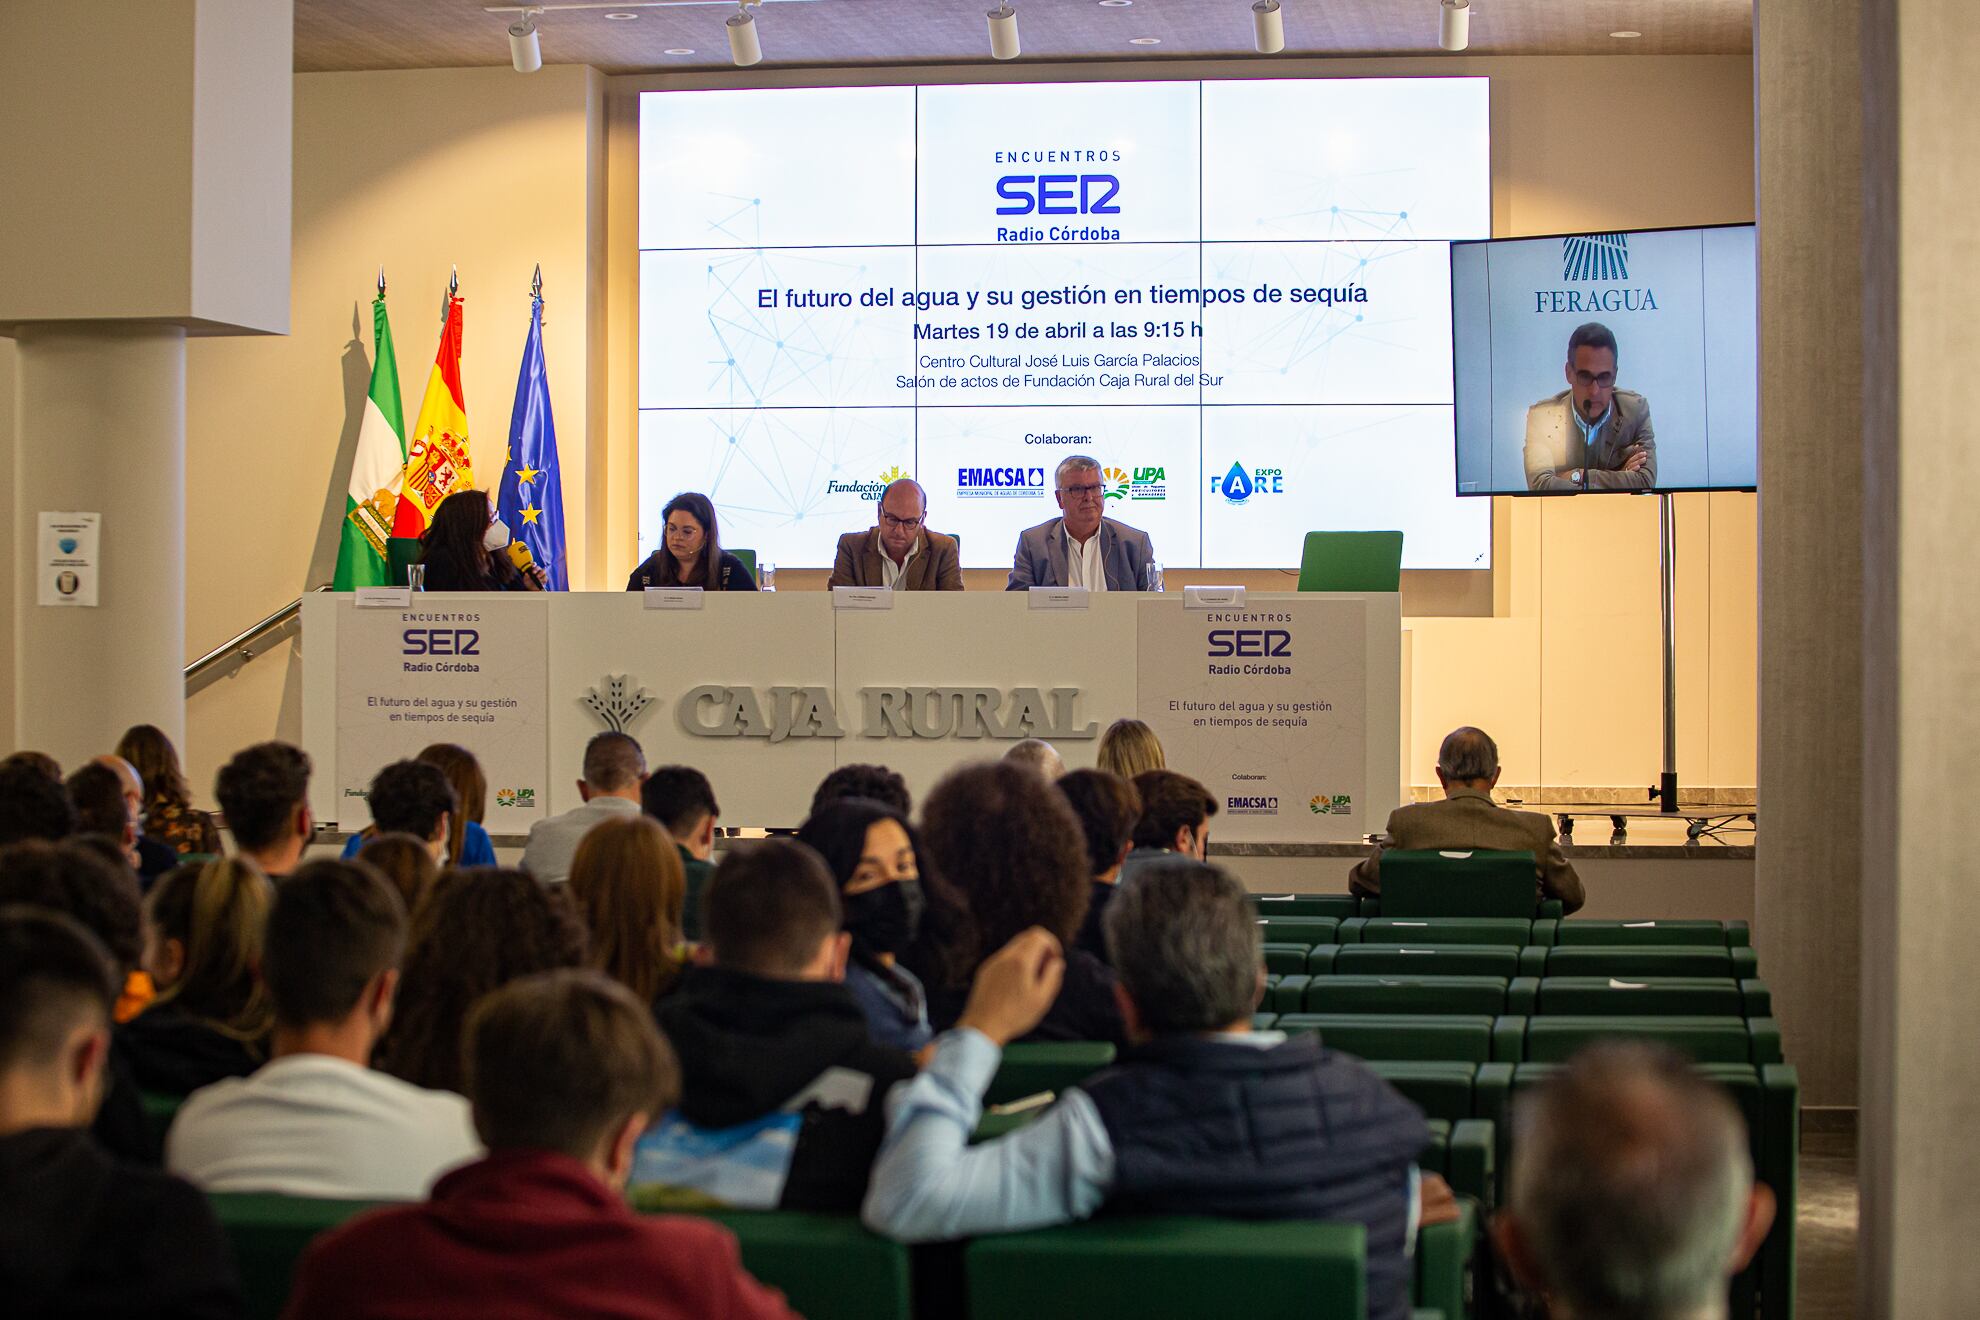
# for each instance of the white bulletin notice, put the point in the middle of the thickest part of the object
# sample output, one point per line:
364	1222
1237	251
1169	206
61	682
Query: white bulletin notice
67	565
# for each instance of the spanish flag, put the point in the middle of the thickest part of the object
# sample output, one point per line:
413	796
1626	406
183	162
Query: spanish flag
437	450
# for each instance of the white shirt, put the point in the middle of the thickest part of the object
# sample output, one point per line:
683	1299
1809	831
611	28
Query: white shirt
313	1125
1083	565
553	843
890	572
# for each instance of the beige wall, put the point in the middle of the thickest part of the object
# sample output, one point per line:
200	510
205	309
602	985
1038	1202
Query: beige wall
494	172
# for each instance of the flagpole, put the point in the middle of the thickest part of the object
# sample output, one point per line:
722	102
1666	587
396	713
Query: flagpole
447	298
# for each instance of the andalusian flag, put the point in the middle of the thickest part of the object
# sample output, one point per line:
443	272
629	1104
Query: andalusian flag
437	453
372	501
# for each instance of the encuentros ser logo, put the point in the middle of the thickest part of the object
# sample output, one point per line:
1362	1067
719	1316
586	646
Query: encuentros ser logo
868	490
1334	804
1142	483
1238	486
1601	259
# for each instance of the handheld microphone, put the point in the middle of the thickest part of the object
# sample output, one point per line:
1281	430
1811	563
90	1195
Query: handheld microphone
520	556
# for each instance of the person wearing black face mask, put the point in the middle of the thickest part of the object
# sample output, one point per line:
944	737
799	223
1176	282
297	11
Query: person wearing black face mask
873	858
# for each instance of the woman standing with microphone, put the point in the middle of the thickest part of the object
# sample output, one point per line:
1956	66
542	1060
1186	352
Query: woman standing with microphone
690	553
466	548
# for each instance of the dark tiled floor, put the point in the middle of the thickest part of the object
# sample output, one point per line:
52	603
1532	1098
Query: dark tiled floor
1826	1227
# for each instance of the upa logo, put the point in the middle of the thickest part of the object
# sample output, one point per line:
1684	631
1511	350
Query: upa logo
1335	804
1116	483
521	798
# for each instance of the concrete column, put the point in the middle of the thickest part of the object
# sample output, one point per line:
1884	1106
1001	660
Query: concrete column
1920	1161
100	416
1806	879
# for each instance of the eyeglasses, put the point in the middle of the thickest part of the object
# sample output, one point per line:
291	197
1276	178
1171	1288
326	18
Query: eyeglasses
1604	379
1087	492
903	524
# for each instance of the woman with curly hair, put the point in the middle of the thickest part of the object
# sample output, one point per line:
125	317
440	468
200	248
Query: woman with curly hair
169	815
201	930
480	930
1011	848
629	885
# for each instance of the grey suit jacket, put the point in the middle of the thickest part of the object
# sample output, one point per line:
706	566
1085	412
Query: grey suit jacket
554	842
1470	819
1041	556
1553	442
935	566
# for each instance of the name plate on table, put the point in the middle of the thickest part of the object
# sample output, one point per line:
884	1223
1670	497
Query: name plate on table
862	598
1213	598
673	598
383	598
1058	598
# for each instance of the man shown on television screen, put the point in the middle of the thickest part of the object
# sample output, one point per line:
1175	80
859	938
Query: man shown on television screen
1591	436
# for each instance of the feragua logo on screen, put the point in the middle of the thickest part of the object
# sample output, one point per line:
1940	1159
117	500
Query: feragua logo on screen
1000	483
1238	486
1085	189
1251	806
1595	259
1144	483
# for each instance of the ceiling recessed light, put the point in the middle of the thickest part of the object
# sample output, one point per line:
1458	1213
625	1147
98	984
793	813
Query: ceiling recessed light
1625	34
622	17
1144	41
677	50
1115	4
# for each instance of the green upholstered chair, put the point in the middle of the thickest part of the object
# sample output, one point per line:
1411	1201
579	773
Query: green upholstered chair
1445	930
1288	929
1729	934
1402	994
829	1266
1412	959
1737	962
1351	561
1597	996
748	558
1338	906
268	1234
1454	1037
1477	883
1755	1041
1030	1067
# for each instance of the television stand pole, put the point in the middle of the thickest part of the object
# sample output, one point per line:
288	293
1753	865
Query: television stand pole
1666	792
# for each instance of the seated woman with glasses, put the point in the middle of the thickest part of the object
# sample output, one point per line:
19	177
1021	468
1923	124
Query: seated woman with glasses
900	552
691	553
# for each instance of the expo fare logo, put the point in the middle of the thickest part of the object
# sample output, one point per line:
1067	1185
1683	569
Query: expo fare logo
524	798
1000	483
1339	804
1595	257
1237	486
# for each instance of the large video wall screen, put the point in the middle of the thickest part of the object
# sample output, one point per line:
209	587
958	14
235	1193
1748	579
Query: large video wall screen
1234	295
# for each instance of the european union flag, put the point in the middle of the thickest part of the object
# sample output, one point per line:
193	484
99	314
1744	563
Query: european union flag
531	498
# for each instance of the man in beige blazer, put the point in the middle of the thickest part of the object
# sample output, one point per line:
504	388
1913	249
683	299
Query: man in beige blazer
900	552
1467	818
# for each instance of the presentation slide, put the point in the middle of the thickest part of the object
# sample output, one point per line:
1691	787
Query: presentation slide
1615	362
1235	296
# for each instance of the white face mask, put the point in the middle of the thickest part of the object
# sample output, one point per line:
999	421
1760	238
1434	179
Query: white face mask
496	536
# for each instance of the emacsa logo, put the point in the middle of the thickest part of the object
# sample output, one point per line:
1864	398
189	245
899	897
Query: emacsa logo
978	483
1238	486
1251	806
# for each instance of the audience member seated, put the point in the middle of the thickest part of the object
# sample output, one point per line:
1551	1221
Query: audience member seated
33	805
153	858
467	838
169	815
101	808
42	762
1009	844
1204	1117
480	930
1467	818
1174	821
406	861
876	782
1108	807
781	1085
614	768
1129	748
626	882
81	882
409	797
1632	1190
465	548
683	801
264	795
209	1018
317	1120
84	1236
1039	755
875	861
566	1070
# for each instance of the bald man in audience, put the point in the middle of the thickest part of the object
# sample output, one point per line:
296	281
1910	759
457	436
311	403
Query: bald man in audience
899	551
614	774
1467	819
1632	1189
1037	754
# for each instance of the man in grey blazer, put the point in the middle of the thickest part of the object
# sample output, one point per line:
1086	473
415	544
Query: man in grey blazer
901	552
1591	436
614	770
1082	547
1467	818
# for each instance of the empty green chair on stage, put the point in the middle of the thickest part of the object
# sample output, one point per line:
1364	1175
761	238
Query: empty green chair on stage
1029	1067
1158	1267
748	558
1476	883
1351	561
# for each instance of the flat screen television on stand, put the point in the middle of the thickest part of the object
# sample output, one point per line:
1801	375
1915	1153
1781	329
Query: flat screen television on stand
1621	363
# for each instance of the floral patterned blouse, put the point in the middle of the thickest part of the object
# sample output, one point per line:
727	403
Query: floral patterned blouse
187	830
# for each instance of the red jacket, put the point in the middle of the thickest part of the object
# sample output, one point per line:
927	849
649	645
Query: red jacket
527	1233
